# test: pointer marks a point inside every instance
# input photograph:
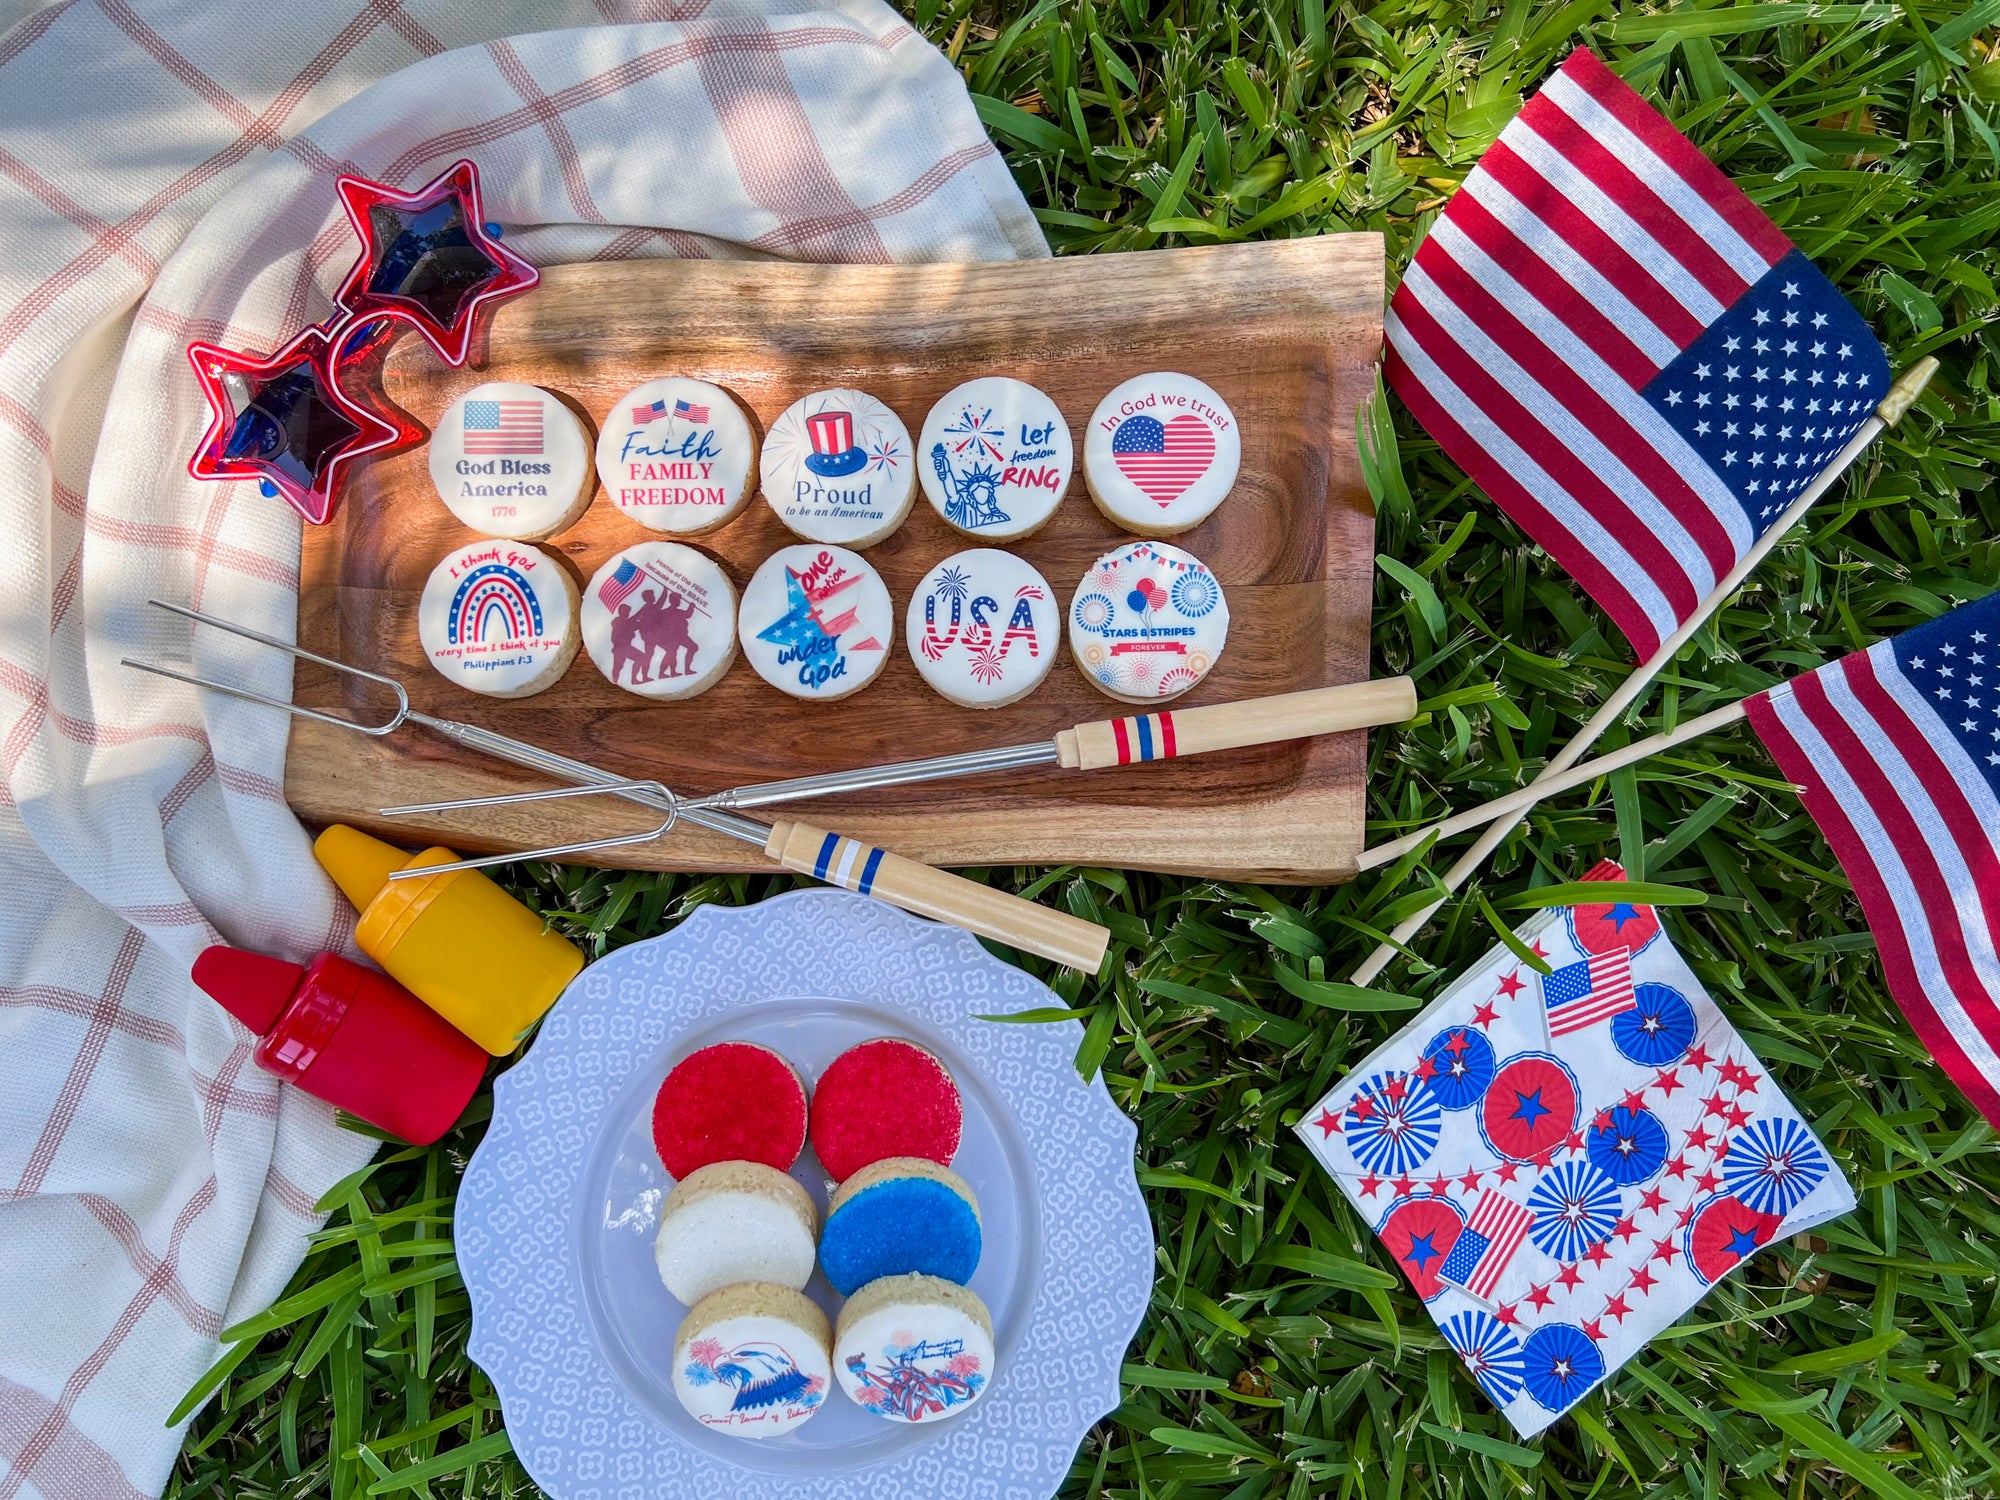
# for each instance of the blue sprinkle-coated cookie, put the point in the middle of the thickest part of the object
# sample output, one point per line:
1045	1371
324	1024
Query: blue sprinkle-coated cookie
896	1224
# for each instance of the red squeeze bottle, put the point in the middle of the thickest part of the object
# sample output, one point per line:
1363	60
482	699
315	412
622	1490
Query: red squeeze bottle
350	1036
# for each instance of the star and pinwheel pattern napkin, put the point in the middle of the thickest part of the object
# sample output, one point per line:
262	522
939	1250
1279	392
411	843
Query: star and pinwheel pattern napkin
1563	1164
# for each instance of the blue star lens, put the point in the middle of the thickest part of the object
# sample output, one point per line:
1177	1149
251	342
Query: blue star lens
287	422
427	258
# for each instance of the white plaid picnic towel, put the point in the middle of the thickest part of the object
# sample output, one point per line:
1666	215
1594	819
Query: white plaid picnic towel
166	173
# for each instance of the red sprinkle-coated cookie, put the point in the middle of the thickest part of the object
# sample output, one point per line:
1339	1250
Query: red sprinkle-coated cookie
734	1101
884	1098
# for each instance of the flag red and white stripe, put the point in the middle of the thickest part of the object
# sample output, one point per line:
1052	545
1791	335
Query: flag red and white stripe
1610	994
1589	252
1502	1224
1898	751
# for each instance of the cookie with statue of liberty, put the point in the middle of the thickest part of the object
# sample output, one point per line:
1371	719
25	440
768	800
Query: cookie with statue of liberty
995	457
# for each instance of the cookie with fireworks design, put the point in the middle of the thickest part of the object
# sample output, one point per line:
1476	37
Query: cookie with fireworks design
994	458
1147	623
500	618
839	466
982	628
913	1348
753	1360
1161	452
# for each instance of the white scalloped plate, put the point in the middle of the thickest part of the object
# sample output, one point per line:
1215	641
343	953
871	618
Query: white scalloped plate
556	1217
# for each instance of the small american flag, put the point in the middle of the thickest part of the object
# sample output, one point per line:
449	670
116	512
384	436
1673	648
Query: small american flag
1487	1243
1624	352
652	412
1898	749
1582	994
511	427
616	589
689	412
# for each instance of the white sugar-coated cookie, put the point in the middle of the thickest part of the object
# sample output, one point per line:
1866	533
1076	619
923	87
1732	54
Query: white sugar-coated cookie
1147	622
816	622
499	618
982	628
995	458
659	619
753	1360
512	461
1161	452
677	455
838	467
913	1348
735	1221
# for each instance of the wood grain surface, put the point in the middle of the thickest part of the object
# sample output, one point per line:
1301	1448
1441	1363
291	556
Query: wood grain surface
1287	331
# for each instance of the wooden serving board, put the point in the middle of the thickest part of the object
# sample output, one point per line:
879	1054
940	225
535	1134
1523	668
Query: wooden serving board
1287	331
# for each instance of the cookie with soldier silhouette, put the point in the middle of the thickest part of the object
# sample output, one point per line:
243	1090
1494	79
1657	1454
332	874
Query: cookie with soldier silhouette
659	619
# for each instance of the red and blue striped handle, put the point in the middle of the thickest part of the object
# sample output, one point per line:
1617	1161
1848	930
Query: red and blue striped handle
1227	726
1146	737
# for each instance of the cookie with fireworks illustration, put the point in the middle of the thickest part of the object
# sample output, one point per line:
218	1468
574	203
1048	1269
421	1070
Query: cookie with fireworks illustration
511	461
500	618
839	466
982	628
659	619
1147	623
900	1215
677	455
734	1221
1161	452
913	1348
882	1098
733	1101
753	1360
994	458
816	622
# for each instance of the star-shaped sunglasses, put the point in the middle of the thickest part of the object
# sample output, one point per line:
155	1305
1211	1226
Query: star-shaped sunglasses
428	260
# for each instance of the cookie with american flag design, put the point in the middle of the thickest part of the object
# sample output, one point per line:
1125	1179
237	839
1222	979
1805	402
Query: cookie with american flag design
1161	453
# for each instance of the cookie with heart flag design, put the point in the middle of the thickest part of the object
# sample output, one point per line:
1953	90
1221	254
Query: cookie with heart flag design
1161	452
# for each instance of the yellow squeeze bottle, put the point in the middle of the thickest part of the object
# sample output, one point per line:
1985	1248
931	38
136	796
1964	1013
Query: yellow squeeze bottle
459	943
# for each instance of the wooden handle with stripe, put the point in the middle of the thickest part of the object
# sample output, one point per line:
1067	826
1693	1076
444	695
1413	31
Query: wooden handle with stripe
1005	918
1227	726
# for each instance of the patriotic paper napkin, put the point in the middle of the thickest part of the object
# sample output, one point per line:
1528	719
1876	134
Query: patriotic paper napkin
1563	1164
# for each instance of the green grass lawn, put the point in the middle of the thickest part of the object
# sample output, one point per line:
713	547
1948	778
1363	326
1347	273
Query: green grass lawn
1861	1361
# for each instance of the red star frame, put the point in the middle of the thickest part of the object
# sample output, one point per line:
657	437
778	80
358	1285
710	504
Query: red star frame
259	429
427	259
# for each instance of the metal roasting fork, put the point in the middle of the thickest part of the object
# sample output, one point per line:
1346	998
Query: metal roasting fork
799	847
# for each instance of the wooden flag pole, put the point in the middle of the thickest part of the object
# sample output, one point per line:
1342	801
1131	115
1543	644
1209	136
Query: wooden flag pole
1550	786
1902	395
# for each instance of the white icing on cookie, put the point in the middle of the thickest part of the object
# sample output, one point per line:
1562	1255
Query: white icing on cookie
816	622
511	461
659	619
995	458
1147	622
499	618
676	455
982	628
754	1375
722	1238
913	1361
1161	452
838	467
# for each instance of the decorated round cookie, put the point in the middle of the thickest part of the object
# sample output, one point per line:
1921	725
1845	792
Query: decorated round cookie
735	1221
753	1360
511	461
899	1215
982	628
677	455
882	1098
499	618
838	467
913	1348
816	622
995	458
1147	622
1161	453
734	1101
659	619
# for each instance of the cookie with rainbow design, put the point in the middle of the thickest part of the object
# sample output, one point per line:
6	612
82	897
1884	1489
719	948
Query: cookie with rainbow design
500	618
